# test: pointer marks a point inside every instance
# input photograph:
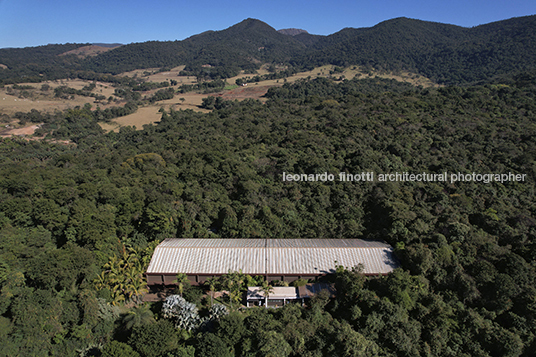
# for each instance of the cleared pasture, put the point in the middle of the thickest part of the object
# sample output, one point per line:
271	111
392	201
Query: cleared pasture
155	75
151	114
10	104
85	51
8	130
145	115
45	100
328	71
12	101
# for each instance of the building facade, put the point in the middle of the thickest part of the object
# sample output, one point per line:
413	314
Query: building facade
282	295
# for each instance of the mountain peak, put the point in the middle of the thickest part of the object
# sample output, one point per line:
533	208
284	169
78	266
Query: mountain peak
250	23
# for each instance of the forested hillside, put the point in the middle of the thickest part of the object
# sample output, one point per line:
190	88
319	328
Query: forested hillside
446	54
77	221
222	53
33	64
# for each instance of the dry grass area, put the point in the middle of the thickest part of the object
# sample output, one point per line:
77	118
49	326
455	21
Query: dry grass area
139	72
151	114
172	74
45	100
327	71
3	66
403	76
12	101
10	104
87	51
254	91
191	101
145	115
8	130
154	75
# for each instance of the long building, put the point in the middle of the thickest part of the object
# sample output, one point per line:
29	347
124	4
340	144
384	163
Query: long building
276	259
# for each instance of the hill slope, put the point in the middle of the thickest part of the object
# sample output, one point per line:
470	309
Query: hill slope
31	64
222	53
445	53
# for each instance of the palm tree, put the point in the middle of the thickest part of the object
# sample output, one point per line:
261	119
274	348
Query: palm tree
101	281
266	289
113	265
180	281
123	274
212	283
135	287
138	316
117	294
233	282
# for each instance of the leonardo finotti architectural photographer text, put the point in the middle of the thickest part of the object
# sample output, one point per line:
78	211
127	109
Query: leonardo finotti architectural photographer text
406	177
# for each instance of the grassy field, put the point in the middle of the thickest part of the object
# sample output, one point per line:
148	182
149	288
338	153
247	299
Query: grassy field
348	73
12	101
154	75
87	51
145	115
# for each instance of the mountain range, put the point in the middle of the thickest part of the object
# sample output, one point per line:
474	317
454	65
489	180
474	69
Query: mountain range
447	54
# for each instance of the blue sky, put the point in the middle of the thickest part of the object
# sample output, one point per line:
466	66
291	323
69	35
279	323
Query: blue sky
39	22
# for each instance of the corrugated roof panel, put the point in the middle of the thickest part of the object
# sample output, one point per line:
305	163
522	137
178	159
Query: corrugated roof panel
325	260
278	292
207	260
323	243
284	256
211	243
272	243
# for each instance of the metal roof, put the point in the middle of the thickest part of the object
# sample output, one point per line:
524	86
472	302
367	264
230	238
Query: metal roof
270	256
290	292
272	243
278	292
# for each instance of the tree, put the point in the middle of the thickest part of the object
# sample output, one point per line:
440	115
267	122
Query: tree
211	345
138	316
230	328
352	343
216	311
154	340
180	281
4	272
213	283
184	314
233	282
182	351
123	274
273	344
208	102
266	289
118	349
350	281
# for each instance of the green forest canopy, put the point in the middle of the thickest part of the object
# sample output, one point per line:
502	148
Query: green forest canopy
68	213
